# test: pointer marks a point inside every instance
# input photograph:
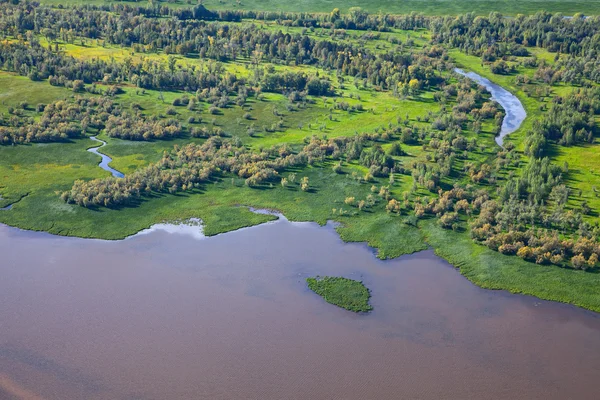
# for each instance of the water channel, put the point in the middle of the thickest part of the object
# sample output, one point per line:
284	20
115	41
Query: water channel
515	112
105	159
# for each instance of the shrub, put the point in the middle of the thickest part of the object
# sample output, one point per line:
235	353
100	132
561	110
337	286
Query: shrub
447	220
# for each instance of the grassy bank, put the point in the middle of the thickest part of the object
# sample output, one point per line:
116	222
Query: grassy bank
492	270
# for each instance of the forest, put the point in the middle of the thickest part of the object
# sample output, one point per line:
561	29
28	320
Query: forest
351	116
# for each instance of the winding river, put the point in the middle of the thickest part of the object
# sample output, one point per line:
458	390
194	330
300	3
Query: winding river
515	112
105	159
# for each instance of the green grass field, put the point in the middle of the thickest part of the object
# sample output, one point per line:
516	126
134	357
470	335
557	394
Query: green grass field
36	173
429	7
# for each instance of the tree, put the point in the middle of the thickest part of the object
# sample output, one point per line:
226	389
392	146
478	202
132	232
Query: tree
560	194
447	220
414	85
78	85
526	253
304	185
358	15
395	150
393	206
579	261
335	14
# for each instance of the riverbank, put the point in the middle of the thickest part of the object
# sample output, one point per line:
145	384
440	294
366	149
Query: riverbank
515	112
480	265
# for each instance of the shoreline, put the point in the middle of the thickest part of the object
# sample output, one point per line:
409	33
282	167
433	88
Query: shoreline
463	266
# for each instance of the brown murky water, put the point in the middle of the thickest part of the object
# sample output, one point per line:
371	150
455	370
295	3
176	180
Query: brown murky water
168	316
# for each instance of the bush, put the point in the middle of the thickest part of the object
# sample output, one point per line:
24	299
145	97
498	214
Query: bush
396	150
78	85
447	220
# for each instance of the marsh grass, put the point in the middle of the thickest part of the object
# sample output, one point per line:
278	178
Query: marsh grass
342	292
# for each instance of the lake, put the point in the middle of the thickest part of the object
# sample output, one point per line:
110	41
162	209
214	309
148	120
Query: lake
168	314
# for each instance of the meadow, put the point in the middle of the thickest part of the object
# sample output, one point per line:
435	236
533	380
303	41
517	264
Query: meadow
428	7
582	160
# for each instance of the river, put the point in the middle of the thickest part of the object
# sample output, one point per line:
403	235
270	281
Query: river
169	314
105	159
515	112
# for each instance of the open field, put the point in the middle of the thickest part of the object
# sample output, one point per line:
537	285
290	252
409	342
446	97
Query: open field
428	7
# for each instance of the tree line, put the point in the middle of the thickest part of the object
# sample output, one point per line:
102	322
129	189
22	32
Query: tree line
64	120
496	38
223	42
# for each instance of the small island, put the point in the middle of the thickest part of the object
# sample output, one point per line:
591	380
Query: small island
342	292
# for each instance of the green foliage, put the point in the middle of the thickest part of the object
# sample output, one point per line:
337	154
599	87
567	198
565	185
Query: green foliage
428	7
342	292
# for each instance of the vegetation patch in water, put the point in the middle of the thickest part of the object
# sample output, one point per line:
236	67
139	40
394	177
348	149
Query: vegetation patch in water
342	292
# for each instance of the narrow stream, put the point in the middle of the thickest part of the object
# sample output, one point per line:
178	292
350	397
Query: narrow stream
515	112
105	159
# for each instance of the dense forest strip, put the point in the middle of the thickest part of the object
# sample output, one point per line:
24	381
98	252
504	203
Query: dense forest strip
429	7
